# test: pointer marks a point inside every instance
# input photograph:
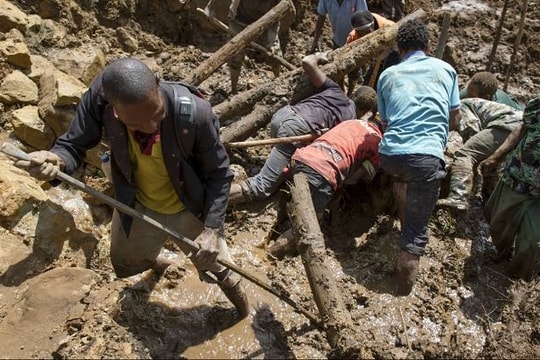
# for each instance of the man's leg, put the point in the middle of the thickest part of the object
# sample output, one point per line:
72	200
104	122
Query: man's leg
236	61
475	149
423	175
284	123
230	283
136	251
526	262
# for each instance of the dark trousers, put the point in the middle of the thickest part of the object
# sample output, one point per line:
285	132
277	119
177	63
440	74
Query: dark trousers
422	175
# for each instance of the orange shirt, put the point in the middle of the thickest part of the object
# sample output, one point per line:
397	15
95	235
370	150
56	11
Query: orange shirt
381	22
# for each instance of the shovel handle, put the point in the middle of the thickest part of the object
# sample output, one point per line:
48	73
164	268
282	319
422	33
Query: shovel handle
13	151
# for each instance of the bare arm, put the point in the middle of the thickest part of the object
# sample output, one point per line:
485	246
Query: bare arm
311	67
455	118
510	143
317	33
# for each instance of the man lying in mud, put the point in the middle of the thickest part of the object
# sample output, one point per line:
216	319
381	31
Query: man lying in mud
346	154
513	210
323	110
484	126
150	173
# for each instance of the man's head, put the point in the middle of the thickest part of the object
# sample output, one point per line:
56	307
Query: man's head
365	99
482	85
363	23
132	88
412	35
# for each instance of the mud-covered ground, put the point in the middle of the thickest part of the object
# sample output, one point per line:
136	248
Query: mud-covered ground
463	304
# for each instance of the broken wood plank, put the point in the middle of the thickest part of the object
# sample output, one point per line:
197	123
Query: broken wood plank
272	141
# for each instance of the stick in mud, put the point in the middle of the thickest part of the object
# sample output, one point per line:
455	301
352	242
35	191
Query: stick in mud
13	151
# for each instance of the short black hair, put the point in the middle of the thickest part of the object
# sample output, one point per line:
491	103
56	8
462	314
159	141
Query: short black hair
128	81
365	99
362	18
486	83
412	35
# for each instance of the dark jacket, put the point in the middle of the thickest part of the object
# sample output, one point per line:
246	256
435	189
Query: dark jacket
202	181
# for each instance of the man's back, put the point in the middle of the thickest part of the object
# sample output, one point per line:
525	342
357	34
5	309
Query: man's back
415	98
478	114
326	108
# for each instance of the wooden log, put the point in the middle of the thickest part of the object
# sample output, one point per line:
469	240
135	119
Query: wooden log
221	26
516	44
251	123
272	141
344	60
355	55
242	103
497	36
443	37
239	42
311	247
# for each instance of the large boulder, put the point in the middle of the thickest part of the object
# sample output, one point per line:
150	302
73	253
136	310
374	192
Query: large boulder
40	64
20	192
30	129
18	88
60	89
52	299
83	63
16	53
11	17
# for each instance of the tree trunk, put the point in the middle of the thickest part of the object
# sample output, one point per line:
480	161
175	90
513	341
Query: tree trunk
343	61
313	252
239	42
221	26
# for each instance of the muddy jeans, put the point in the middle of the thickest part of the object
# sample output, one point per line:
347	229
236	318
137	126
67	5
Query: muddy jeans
285	122
393	9
422	175
137	251
321	190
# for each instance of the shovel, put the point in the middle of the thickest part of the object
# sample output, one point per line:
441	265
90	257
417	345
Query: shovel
13	151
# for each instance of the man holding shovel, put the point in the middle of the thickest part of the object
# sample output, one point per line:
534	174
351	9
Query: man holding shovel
151	171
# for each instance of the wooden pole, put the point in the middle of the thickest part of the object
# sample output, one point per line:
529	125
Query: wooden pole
218	24
443	37
272	141
375	71
497	36
516	44
313	252
238	43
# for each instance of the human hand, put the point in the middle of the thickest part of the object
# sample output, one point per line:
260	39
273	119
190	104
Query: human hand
489	165
44	165
209	248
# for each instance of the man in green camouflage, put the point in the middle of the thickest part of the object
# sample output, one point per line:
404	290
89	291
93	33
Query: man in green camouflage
484	126
513	210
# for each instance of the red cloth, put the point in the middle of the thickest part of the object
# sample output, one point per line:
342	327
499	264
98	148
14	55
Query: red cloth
341	151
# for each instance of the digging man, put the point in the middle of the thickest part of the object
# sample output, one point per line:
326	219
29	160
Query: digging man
150	173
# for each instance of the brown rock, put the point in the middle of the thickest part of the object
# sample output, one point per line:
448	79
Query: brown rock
30	129
16	53
18	88
20	192
11	17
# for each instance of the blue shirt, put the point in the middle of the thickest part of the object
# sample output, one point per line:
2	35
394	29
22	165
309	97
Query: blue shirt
415	98
340	16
